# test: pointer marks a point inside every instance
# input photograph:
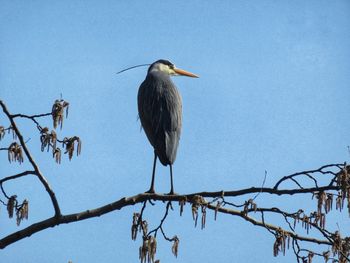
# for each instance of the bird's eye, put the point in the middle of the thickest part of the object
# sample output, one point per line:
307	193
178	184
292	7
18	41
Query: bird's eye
171	66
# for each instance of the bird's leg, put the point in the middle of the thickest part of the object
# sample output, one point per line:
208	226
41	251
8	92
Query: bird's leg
151	189
171	181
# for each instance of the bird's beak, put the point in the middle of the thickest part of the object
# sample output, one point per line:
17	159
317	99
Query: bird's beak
185	73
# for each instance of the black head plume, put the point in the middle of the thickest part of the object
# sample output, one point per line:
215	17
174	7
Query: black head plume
141	65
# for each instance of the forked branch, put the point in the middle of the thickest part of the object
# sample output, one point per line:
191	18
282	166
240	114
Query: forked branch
31	160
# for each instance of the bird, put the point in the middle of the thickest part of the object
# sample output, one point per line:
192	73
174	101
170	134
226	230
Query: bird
160	112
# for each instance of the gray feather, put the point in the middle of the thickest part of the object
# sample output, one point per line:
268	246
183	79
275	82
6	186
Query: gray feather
160	112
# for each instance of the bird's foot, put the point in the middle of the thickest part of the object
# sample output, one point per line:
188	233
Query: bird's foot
171	193
150	191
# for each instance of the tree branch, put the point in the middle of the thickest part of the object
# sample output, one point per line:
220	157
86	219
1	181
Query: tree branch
31	160
16	176
319	170
274	191
266	225
160	226
32	117
128	201
12	177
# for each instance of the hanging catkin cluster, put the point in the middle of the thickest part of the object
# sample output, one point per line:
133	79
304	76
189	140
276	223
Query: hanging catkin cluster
21	210
49	138
15	153
58	112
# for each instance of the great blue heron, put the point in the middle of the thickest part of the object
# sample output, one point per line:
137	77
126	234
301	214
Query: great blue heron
160	112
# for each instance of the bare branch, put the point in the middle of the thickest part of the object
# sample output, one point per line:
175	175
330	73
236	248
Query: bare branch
160	226
16	176
31	117
319	170
12	177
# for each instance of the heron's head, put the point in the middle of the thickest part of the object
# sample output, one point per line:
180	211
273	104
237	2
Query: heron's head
169	68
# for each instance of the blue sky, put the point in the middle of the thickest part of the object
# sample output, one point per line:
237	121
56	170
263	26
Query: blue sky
272	95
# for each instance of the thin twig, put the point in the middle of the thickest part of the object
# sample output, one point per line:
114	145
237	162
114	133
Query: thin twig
262	185
16	176
319	170
161	222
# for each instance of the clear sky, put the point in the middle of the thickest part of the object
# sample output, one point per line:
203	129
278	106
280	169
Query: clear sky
273	94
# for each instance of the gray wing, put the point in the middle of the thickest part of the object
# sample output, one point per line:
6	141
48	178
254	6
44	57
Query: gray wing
160	112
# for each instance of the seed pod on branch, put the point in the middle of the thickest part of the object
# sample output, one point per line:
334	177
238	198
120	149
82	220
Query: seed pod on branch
175	247
53	140
326	255
57	112
152	248
280	242
321	199
45	139
143	250
249	205
11	205
148	249
310	256
195	213
69	143
134	226
336	246
182	203
197	201
343	181
306	223
341	247
2	132
144	227
329	203
204	216
57	155
15	153
22	212
66	106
